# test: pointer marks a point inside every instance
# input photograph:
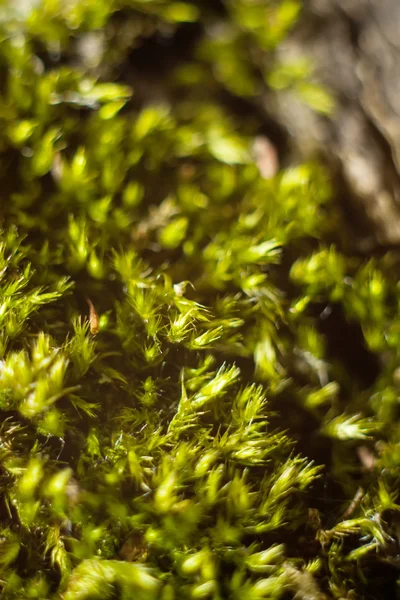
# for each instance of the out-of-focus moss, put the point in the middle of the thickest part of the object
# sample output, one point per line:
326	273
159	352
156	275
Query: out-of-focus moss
162	315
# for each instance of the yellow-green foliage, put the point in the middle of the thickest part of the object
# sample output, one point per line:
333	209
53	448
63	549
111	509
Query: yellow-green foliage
175	422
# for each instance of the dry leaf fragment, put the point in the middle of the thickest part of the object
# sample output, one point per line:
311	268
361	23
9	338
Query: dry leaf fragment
367	458
265	156
93	318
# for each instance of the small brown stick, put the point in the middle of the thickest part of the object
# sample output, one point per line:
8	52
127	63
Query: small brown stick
93	318
354	503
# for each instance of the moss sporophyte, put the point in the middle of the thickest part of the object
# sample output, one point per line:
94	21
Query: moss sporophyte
180	417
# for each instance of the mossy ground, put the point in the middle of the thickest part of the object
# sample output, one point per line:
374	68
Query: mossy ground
199	388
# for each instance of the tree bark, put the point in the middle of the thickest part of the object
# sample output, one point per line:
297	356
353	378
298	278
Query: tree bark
355	46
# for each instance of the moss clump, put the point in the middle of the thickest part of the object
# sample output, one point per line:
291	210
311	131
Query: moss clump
181	412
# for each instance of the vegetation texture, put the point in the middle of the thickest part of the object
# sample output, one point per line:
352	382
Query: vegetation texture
199	388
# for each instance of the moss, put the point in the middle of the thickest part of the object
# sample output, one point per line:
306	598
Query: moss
175	420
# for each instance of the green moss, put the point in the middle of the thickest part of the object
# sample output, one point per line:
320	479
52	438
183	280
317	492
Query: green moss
174	421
